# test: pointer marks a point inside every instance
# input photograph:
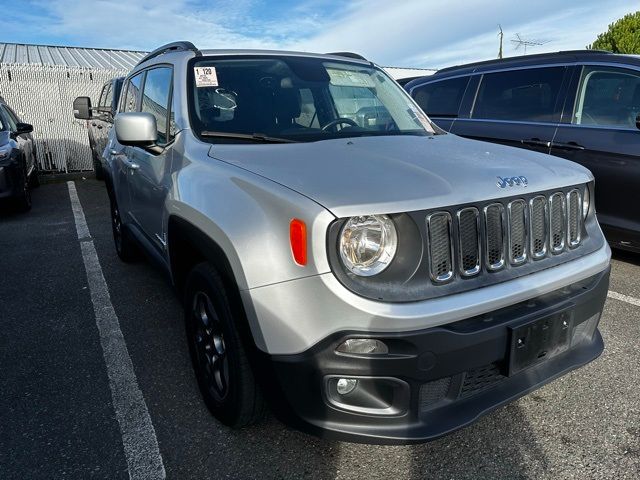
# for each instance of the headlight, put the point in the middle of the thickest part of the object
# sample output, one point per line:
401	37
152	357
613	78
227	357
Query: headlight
368	244
585	202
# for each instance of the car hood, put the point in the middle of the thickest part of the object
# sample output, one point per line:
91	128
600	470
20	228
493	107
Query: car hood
391	174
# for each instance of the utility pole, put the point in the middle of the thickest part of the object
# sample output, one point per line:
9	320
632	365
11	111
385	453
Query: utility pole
501	35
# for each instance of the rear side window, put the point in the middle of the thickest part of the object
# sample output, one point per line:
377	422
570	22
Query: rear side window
529	95
156	98
608	96
442	98
132	98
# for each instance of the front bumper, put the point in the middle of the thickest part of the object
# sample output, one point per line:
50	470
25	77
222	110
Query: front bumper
434	380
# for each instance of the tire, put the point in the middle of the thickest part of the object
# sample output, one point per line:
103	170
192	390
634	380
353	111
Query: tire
126	249
23	200
222	369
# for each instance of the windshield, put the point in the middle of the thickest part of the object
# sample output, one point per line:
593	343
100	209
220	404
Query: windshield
297	99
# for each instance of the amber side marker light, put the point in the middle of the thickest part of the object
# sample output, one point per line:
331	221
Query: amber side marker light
298	238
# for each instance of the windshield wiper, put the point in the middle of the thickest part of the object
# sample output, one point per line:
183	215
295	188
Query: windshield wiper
255	137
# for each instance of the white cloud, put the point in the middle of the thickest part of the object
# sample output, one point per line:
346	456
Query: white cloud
411	33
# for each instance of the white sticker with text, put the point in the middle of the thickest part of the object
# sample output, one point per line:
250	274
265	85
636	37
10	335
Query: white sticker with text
206	76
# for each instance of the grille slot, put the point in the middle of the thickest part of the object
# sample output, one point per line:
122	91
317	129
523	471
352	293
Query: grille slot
469	241
481	379
439	248
574	218
494	236
538	220
517	220
557	223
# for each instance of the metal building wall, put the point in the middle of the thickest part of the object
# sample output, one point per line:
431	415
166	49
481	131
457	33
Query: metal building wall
43	96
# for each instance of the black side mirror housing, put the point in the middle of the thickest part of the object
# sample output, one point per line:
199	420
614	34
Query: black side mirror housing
23	128
638	121
82	108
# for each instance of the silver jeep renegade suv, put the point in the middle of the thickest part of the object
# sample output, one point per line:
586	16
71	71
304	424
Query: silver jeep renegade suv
339	257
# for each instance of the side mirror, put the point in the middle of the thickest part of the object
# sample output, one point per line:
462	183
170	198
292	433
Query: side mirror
82	108
137	129
23	128
638	121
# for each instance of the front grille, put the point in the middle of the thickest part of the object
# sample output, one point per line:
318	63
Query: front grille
503	234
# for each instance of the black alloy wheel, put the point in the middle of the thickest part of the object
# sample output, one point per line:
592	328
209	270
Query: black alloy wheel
210	347
220	363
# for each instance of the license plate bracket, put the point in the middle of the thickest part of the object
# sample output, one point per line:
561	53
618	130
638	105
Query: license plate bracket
538	340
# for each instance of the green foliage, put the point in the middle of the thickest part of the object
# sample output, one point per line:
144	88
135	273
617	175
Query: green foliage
623	36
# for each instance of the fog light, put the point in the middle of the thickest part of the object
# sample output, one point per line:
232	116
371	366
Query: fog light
363	346
346	385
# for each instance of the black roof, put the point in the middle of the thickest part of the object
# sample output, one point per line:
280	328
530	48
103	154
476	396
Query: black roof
532	60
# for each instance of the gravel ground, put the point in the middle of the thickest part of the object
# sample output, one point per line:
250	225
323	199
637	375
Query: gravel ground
57	421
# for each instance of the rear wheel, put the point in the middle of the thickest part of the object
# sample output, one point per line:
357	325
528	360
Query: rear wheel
219	360
125	247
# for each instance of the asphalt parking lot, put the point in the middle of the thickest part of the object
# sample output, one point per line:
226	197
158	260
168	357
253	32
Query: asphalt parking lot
57	416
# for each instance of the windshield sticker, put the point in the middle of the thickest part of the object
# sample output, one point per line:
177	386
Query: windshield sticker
206	76
349	78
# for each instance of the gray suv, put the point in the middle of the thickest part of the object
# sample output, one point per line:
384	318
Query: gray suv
340	258
99	120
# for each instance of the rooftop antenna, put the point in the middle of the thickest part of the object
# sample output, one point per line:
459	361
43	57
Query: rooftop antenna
501	35
518	41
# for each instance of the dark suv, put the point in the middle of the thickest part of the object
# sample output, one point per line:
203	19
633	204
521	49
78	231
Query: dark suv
18	168
101	121
581	105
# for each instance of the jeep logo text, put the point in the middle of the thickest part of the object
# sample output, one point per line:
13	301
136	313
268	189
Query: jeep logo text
512	182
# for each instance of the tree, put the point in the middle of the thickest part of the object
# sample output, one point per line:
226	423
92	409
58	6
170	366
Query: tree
623	36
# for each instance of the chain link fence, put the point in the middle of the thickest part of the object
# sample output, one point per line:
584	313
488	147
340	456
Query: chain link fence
43	95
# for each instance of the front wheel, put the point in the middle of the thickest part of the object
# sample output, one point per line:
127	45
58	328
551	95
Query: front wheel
219	360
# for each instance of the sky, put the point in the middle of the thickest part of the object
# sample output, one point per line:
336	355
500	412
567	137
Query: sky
402	33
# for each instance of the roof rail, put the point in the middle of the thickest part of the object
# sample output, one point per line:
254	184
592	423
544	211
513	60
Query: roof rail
524	57
171	47
348	55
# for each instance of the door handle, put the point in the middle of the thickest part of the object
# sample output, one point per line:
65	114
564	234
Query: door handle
131	165
535	142
113	152
567	146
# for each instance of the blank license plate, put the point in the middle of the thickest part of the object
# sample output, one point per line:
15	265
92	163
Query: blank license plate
538	340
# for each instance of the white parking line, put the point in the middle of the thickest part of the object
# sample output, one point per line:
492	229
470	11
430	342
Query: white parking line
138	435
624	298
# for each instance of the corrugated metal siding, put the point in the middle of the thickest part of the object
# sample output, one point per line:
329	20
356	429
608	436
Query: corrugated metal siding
69	56
40	83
